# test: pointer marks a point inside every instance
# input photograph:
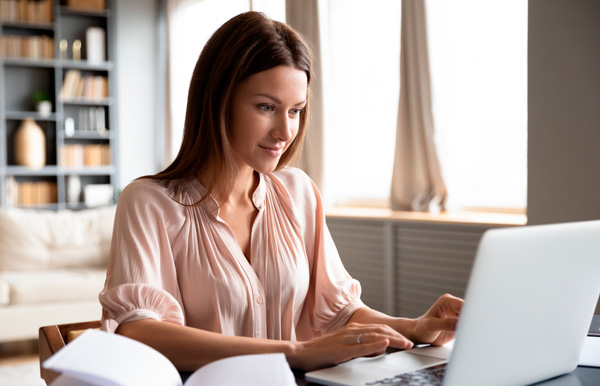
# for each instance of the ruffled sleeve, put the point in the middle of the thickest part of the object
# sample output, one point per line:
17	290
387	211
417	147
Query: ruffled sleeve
143	302
333	295
141	280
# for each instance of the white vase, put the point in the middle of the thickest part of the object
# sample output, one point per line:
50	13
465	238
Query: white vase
44	108
73	189
30	145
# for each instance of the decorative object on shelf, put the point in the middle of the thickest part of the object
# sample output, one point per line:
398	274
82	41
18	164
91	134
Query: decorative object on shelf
73	189
69	126
42	103
30	145
95	39
94	5
63	46
98	194
77	49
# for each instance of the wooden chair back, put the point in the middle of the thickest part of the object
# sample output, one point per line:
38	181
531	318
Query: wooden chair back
53	338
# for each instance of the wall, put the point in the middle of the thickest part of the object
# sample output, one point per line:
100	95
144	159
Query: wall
136	32
564	111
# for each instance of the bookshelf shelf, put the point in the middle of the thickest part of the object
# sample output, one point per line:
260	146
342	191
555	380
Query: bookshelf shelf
43	41
28	25
21	171
88	134
83	65
89	102
45	206
64	10
89	171
33	63
51	171
20	115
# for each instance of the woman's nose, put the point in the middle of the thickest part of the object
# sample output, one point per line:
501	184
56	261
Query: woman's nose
285	128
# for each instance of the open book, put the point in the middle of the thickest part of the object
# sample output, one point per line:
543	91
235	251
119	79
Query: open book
99	359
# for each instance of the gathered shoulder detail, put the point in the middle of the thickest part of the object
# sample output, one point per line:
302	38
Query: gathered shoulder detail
295	180
189	192
129	302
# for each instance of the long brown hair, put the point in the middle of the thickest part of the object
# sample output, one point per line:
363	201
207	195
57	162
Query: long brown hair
247	44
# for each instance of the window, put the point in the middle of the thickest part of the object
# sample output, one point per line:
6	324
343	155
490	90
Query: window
362	99
478	63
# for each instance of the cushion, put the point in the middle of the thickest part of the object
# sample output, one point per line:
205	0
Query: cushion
37	239
4	293
54	285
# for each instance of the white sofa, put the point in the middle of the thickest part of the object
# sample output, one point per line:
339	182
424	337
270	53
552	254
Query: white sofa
52	268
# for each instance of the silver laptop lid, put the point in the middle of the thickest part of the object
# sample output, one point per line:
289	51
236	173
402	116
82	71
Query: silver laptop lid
528	306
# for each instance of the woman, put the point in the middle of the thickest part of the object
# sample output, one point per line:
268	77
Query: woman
226	251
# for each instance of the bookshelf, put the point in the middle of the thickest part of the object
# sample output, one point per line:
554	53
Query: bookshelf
62	51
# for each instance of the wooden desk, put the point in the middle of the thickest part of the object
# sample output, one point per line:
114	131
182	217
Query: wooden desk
53	338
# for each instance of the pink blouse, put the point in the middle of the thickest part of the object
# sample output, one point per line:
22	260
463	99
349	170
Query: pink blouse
182	263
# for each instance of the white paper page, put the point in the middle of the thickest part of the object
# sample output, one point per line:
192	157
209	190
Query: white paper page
104	359
247	370
590	354
66	380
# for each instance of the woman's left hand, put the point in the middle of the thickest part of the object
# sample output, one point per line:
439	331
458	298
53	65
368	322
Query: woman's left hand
438	325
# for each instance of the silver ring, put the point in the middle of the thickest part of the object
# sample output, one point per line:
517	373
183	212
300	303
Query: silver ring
358	338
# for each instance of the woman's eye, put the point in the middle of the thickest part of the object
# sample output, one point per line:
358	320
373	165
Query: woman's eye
266	108
295	111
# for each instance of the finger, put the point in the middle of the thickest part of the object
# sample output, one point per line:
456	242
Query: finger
371	348
381	329
452	303
394	340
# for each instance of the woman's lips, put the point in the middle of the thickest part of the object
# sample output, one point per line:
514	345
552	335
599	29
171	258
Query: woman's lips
273	151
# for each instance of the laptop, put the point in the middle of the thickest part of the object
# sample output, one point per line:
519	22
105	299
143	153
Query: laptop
595	326
529	303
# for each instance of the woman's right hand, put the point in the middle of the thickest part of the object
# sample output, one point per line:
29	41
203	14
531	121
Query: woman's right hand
352	341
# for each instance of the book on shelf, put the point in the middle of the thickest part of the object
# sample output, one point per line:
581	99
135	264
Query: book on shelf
88	87
27	47
90	119
79	155
26	11
87	5
97	358
31	193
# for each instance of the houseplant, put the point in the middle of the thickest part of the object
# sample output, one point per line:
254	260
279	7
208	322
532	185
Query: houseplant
42	103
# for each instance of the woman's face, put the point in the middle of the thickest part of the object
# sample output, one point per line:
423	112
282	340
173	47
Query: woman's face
265	116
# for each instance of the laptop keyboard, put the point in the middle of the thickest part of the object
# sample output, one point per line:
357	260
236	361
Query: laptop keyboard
428	376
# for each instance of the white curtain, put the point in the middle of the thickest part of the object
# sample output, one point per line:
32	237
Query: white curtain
306	17
417	183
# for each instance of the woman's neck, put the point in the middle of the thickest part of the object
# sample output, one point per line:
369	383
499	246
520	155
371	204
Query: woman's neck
242	190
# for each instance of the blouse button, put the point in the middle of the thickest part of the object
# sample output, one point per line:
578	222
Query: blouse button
259	300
